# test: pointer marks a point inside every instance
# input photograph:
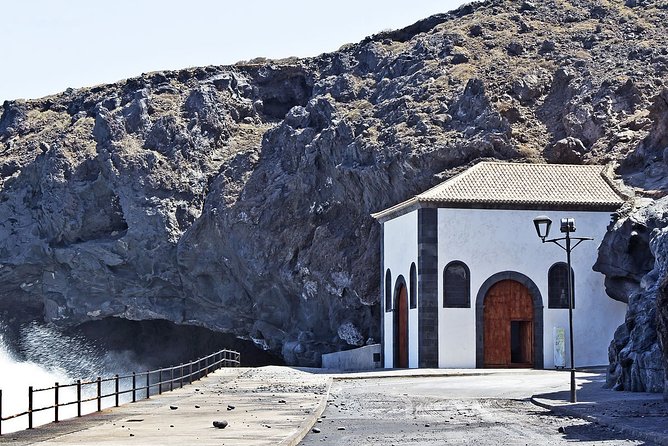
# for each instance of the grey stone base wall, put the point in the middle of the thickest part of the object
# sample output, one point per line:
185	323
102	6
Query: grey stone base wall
363	358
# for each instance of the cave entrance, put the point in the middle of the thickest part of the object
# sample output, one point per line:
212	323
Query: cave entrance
160	343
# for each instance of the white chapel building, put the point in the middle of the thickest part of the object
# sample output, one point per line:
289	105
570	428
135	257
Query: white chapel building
466	281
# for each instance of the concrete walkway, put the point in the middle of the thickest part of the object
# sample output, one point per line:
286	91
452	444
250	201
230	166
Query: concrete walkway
279	405
262	406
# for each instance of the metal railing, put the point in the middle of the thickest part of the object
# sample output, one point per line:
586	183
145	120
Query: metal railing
150	381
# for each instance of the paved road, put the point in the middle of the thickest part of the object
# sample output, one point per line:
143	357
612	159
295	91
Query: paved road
485	410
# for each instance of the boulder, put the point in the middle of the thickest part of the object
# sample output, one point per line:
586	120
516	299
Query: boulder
566	151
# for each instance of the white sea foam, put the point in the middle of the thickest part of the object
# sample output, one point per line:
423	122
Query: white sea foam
51	357
15	378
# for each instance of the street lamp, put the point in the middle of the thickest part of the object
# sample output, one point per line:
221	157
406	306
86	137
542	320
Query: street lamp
542	224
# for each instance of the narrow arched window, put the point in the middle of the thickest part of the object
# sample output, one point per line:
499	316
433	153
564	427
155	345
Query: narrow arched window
456	285
413	286
388	291
557	286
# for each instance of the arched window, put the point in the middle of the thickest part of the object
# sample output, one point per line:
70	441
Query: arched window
557	286
388	291
413	286
456	285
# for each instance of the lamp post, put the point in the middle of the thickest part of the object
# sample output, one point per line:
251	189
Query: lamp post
542	224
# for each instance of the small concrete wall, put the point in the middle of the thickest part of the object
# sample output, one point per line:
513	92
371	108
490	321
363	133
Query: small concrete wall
357	359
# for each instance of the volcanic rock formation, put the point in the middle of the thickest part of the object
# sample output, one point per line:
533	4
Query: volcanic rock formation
237	198
633	258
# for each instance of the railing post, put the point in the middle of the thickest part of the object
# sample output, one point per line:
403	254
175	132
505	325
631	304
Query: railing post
134	387
206	366
160	382
190	375
181	377
30	407
171	378
55	406
148	384
99	394
117	388
78	397
0	411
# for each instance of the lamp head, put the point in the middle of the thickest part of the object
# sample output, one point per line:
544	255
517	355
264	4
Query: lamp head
542	224
567	225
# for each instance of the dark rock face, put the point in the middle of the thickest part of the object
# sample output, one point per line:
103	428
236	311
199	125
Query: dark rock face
238	198
633	257
662	317
647	165
625	256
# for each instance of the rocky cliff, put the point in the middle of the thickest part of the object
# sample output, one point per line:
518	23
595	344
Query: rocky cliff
633	258
237	198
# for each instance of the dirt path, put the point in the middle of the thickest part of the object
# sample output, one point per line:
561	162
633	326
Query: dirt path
364	412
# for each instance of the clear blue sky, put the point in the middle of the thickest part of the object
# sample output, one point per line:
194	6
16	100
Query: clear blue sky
50	45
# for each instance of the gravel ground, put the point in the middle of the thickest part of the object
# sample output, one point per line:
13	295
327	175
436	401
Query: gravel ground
360	413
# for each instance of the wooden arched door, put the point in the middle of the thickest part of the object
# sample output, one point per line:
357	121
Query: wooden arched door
401	328
508	326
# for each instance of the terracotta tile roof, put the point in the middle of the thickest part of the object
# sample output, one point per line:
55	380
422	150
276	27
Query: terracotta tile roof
490	182
520	186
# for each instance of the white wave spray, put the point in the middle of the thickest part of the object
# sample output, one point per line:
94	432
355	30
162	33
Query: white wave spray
48	357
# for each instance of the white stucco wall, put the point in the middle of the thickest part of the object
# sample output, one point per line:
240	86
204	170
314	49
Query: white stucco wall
493	241
400	251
